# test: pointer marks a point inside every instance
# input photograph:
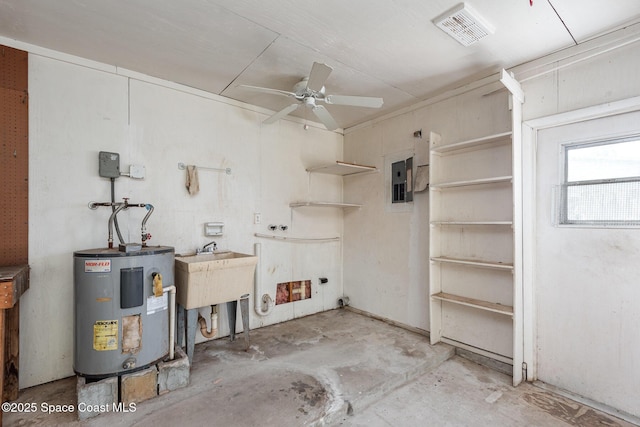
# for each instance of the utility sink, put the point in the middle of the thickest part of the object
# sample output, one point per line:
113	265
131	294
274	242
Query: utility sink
213	278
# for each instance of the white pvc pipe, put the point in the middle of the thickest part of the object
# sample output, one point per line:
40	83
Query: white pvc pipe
172	319
256	286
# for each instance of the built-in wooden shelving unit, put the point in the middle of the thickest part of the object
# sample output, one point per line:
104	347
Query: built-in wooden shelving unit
475	271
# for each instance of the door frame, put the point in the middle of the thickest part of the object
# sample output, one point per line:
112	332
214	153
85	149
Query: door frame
530	129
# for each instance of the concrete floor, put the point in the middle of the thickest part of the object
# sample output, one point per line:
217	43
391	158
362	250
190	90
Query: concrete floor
336	368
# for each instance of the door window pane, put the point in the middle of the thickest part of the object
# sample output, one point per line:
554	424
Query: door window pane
602	184
603	161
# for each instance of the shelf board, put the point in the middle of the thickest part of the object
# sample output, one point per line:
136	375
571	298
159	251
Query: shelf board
474	263
510	223
468	182
476	303
342	168
471	143
323	205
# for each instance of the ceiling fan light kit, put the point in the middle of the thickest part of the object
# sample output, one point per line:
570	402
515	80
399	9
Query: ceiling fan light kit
309	91
464	24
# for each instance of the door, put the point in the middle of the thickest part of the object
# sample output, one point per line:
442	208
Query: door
586	286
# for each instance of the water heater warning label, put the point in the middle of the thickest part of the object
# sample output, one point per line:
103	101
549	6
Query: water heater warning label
105	335
97	266
156	304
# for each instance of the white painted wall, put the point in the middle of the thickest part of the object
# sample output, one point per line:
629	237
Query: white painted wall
78	110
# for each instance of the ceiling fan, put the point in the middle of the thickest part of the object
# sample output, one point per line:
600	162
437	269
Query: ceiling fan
309	91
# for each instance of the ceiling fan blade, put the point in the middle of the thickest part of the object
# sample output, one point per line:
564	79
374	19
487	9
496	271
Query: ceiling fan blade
280	114
319	74
267	90
325	117
356	101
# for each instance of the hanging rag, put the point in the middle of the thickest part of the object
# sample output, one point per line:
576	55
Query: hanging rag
193	185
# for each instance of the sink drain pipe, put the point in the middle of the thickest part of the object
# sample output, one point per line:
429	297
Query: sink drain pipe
265	300
214	322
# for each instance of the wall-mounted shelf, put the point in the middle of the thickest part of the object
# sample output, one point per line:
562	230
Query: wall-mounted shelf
474	263
342	168
439	223
323	205
337	168
504	137
476	303
480	181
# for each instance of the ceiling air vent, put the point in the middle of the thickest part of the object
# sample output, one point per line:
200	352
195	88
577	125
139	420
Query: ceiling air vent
464	24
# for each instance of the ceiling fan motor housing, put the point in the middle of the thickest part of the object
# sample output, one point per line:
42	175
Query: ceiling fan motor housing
302	91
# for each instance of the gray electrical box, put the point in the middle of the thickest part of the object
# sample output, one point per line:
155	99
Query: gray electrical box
402	181
109	164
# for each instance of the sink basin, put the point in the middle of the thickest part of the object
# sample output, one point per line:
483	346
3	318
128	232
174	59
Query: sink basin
213	278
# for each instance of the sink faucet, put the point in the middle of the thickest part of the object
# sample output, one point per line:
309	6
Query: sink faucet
209	247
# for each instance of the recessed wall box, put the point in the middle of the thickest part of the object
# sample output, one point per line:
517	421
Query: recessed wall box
213	228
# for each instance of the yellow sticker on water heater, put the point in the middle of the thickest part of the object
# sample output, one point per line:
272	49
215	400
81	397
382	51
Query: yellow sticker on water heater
105	335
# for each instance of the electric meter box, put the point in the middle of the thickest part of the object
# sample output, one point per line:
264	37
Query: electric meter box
109	164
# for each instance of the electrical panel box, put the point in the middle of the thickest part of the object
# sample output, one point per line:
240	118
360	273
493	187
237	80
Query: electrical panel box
109	164
398	181
402	181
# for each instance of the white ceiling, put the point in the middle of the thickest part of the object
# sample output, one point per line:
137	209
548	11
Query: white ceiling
381	48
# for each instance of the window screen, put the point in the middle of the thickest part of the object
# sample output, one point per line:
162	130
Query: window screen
602	183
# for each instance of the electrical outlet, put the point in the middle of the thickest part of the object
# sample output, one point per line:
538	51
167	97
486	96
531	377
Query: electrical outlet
257	218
